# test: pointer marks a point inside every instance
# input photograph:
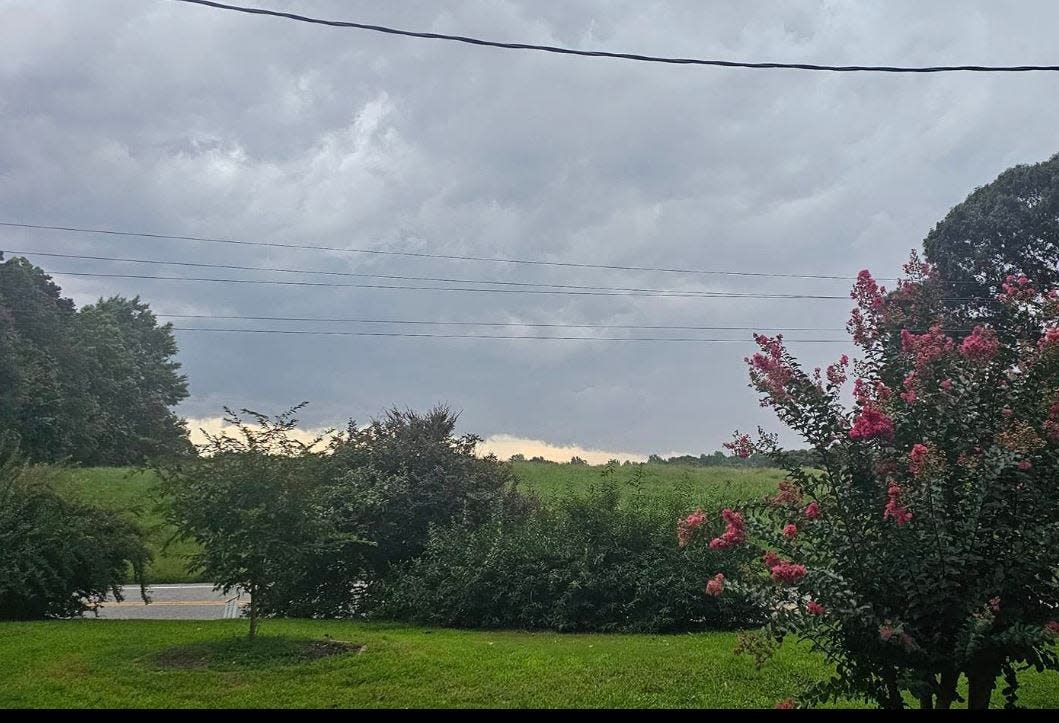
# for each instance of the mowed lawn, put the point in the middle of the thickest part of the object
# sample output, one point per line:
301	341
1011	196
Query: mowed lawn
146	663
135	493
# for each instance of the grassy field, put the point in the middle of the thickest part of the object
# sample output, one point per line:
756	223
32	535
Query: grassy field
96	663
705	486
135	494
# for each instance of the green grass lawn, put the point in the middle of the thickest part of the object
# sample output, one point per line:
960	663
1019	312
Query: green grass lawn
135	494
144	663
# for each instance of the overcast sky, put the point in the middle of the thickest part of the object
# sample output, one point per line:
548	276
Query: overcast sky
164	117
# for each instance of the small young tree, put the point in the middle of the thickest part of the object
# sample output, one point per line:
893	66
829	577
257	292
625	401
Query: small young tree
256	505
923	548
58	559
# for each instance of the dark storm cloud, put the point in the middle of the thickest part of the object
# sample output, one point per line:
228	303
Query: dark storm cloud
160	116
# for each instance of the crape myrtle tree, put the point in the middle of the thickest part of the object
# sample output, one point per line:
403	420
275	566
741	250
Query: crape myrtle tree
921	549
258	504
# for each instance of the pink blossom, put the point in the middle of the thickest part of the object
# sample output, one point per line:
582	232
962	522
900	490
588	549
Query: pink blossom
916	458
886	632
1051	424
994	604
894	509
785	704
1052	627
812	510
769	373
788	572
980	345
1016	288
925	348
715	586
946	384
836	373
909	394
740	445
787	493
872	422
771	559
734	531
686	527
1025	465
790	530
814	608
1050	339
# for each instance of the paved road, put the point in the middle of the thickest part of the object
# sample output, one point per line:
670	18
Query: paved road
175	602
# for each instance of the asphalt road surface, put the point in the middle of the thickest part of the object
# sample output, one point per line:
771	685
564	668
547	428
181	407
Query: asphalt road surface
175	602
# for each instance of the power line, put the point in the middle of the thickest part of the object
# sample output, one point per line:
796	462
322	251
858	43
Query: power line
631	56
287	270
567	292
332	320
425	255
549	325
499	336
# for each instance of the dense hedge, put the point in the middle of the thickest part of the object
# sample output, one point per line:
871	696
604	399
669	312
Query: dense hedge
591	563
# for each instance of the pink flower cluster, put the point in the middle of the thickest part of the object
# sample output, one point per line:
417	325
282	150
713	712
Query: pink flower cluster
871	422
814	608
812	510
787	493
894	509
734	531
870	298
917	459
686	527
788	572
790	530
715	586
836	373
1049	340
926	347
1052	627
1016	288
909	384
980	345
1051	424
768	372
740	445
782	570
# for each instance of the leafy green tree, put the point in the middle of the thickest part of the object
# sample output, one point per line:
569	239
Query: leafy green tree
94	386
128	368
1008	227
57	558
256	504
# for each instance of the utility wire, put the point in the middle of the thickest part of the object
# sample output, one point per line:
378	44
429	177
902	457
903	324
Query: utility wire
549	325
423	254
499	336
567	292
286	270
570	292
631	56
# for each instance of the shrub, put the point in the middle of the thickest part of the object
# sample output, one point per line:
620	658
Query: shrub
926	547
581	564
259	506
58	559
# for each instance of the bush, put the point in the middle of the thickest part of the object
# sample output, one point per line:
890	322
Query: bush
582	564
58	559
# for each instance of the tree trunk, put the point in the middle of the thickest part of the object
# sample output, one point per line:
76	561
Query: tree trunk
980	684
947	689
253	613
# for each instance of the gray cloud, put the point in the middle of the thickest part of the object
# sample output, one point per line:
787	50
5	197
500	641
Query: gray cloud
164	117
